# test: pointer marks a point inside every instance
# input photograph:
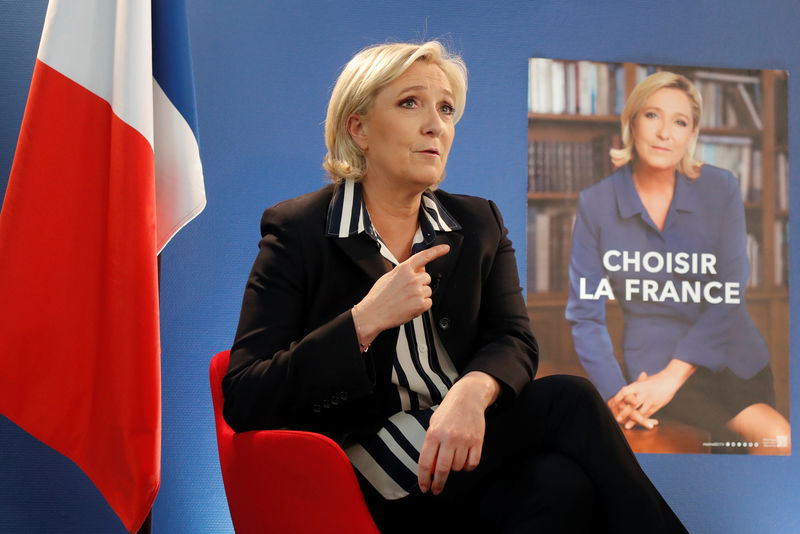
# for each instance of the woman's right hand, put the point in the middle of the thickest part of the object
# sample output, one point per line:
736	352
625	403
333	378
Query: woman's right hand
398	296
624	407
650	393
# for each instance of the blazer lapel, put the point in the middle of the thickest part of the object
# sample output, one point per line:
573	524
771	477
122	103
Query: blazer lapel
362	250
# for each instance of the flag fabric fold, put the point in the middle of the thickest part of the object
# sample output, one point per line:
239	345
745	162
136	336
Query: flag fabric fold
106	171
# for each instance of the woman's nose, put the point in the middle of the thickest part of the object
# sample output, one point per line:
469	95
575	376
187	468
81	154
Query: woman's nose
663	131
432	124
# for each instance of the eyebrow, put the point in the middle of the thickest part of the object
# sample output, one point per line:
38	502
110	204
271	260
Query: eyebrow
648	108
413	88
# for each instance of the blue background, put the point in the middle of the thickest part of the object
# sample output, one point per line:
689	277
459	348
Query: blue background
263	72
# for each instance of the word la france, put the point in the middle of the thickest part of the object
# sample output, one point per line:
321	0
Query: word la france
713	292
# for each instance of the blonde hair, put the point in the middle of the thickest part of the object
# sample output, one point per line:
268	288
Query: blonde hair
660	80
361	79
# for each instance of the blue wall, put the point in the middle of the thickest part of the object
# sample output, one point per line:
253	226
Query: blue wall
263	71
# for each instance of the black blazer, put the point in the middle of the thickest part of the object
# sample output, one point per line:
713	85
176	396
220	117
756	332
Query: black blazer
296	362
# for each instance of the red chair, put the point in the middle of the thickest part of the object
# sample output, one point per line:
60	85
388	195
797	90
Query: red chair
286	481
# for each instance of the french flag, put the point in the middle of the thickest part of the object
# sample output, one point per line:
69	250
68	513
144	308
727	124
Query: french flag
106	171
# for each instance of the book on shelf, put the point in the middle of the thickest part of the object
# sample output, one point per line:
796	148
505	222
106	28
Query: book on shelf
754	259
778	252
781	252
586	83
575	87
571	88
757	178
619	88
782	181
729	100
549	248
602	100
558	94
569	166
643	71
734	154
753	113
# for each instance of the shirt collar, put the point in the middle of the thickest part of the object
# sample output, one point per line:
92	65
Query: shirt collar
630	204
348	215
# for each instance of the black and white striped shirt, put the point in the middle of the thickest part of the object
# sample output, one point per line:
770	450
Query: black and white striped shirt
422	372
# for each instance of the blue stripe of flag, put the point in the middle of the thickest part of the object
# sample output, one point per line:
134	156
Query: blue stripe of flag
172	58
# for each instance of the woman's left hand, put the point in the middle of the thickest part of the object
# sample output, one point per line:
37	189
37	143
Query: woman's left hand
653	392
454	440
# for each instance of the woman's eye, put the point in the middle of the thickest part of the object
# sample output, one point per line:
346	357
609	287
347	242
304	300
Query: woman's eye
407	103
650	115
682	123
447	109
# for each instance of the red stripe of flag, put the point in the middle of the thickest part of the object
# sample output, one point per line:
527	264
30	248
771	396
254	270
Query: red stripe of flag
79	346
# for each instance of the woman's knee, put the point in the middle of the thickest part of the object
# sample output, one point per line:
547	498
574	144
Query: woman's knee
574	389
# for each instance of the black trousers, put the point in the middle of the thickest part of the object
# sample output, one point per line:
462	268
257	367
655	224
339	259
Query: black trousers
554	461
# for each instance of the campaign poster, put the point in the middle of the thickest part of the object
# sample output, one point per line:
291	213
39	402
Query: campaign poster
657	253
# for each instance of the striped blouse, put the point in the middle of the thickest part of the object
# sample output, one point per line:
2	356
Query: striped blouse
422	372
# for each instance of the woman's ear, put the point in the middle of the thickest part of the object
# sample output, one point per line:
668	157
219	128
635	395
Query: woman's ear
357	128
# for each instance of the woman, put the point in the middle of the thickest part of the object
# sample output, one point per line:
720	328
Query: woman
388	315
665	236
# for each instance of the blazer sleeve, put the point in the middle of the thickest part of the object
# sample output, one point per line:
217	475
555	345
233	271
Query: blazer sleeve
587	316
506	348
282	370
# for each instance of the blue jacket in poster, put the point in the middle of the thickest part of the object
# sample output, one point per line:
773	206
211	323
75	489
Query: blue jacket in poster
681	289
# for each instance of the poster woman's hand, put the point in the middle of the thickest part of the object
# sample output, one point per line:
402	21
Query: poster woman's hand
623	406
651	393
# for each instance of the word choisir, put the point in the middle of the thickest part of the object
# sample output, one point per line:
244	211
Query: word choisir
684	291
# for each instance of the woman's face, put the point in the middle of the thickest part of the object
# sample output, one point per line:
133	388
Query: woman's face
406	135
662	129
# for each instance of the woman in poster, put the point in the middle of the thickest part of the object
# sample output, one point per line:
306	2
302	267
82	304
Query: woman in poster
665	236
387	314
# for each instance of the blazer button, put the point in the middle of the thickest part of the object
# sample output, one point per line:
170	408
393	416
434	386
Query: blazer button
343	395
326	404
335	400
316	407
444	323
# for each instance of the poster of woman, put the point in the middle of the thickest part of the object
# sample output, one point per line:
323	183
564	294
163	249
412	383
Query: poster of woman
657	248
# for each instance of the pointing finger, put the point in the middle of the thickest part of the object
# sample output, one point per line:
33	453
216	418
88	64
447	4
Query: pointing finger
423	257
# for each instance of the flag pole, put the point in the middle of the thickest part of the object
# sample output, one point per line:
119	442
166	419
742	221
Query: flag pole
148	521
147	526
145	529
